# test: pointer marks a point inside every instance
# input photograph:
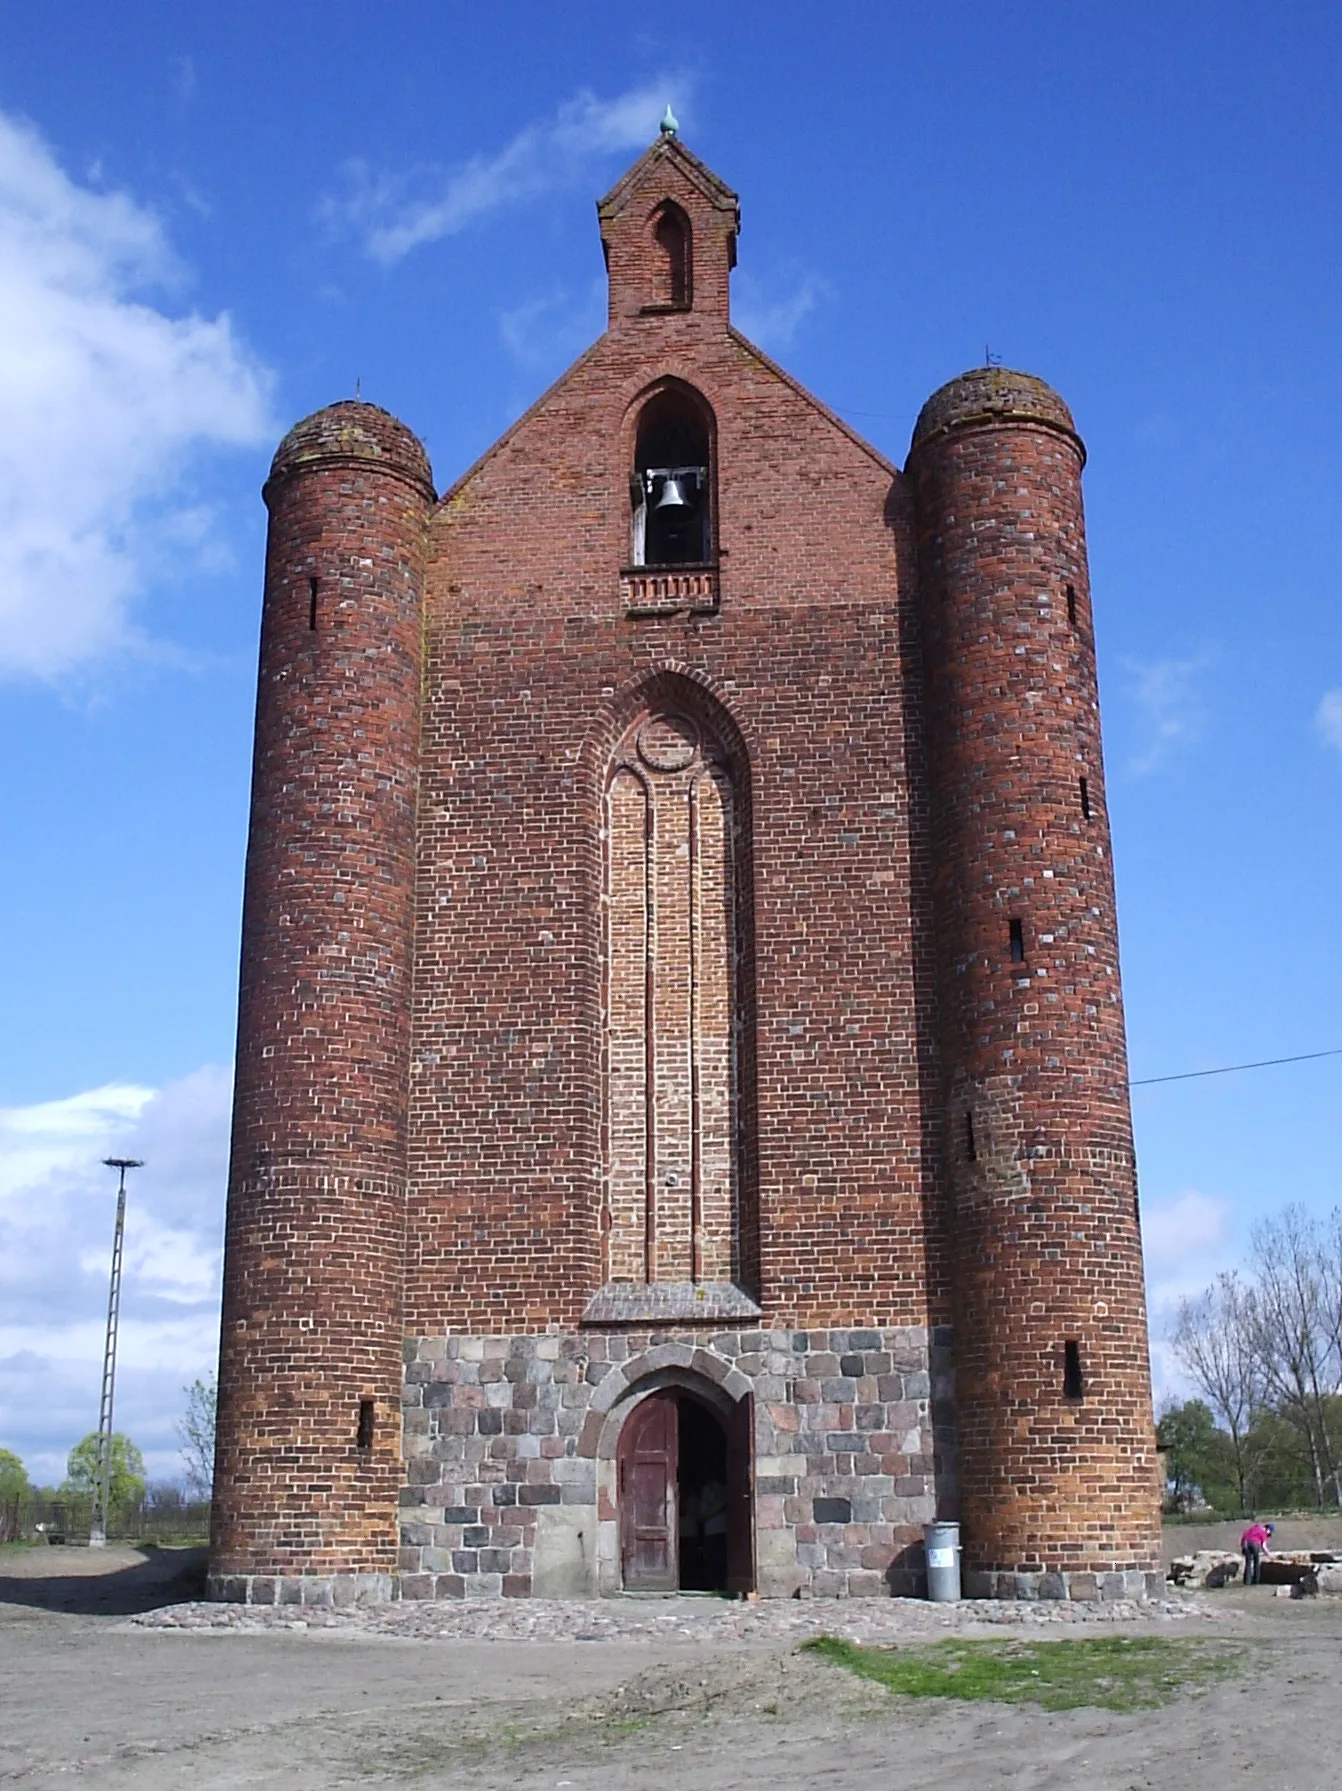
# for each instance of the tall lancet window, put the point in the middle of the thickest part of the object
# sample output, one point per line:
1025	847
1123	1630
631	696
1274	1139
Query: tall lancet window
677	1048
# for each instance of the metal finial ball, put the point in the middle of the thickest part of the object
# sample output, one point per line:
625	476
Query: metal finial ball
670	123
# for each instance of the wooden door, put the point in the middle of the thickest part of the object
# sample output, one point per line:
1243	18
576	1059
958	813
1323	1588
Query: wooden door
740	1497
648	1496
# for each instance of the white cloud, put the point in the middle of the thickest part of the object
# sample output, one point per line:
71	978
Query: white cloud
1329	718
394	214
182	74
1187	1241
107	401
1169	703
544	334
772	319
57	1208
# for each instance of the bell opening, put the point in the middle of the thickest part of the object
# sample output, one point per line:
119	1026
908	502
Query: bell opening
670	486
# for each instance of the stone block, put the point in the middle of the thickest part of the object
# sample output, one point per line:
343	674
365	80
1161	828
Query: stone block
833	1510
839	1390
577	1473
538	1495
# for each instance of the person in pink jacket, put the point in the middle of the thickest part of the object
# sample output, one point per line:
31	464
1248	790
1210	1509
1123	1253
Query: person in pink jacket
1254	1545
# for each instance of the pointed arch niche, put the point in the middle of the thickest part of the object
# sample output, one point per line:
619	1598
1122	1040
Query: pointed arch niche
672	259
678	1231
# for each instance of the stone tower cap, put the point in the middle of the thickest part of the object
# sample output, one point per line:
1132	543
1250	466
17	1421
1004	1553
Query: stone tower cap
353	433
992	395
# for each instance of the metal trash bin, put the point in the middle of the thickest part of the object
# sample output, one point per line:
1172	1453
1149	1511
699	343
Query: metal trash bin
942	1545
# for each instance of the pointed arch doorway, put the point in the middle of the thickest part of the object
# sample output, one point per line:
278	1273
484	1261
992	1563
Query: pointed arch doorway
683	1479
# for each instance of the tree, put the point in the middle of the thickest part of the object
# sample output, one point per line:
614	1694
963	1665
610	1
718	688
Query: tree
1284	1479
1290	1311
13	1476
1199	1459
1214	1342
126	1480
195	1430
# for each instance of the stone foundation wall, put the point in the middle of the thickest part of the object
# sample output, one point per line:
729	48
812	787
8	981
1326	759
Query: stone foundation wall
510	1455
510	1462
1086	1588
335	1591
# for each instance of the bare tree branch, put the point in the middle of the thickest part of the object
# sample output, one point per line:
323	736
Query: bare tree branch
195	1431
1213	1341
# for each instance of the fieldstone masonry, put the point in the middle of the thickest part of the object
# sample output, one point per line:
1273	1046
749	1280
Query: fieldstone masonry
509	1451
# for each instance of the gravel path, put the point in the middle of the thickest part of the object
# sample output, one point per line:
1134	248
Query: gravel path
655	1619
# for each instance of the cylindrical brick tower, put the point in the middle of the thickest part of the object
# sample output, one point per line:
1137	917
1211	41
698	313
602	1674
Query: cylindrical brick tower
308	1453
1053	1395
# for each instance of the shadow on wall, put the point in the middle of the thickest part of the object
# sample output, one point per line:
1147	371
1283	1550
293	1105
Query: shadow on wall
906	1575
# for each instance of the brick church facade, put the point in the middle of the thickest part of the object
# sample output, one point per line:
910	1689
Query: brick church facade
682	1134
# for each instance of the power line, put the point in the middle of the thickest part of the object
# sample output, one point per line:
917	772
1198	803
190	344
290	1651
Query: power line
1264	1063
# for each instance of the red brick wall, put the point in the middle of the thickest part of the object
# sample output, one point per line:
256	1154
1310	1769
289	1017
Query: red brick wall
313	1264
1046	1239
534	667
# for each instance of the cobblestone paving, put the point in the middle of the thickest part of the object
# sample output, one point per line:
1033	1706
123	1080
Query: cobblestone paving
656	1619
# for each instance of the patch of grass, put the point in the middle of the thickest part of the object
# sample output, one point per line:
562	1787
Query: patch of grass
1107	1672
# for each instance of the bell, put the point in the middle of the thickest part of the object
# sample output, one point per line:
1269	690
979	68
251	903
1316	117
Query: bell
672	495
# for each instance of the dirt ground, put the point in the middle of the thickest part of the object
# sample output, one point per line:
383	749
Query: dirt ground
88	1698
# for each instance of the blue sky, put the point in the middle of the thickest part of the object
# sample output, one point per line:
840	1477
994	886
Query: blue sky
215	219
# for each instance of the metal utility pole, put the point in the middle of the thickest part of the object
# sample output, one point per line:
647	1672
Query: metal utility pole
103	1483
